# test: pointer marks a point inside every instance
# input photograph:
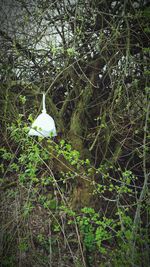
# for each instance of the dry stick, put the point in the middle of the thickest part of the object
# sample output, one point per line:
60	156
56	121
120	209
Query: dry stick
144	188
79	240
50	245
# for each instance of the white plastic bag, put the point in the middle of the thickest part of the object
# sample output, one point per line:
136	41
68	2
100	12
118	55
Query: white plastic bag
44	125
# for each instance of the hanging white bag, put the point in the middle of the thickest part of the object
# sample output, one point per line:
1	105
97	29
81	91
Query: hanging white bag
44	125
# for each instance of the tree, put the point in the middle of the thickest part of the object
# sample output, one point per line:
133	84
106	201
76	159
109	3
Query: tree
91	59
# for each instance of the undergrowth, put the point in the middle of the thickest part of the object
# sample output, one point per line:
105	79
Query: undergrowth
39	224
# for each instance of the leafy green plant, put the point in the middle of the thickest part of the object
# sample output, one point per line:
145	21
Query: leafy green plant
95	229
27	209
23	245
